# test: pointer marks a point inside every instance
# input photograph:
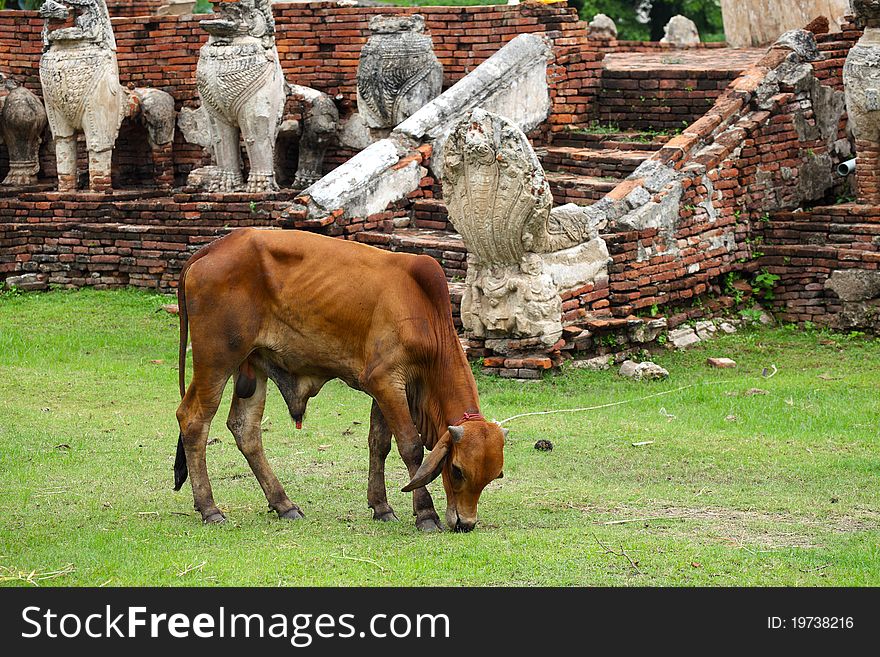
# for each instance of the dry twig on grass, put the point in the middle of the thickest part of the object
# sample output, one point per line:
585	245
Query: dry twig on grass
8	574
620	553
190	568
370	561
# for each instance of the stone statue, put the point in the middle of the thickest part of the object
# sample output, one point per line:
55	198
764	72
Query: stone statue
242	89
315	131
603	27
861	80
22	123
500	202
681	32
80	79
398	72
318	129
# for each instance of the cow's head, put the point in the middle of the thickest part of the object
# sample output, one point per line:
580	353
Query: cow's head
469	456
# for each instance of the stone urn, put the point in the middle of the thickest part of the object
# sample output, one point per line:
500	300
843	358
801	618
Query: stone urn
398	72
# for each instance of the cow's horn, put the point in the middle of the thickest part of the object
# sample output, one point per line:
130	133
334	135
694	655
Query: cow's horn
431	466
457	433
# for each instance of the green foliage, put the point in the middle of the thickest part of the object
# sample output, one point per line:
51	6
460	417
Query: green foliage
763	284
203	7
730	289
630	14
751	315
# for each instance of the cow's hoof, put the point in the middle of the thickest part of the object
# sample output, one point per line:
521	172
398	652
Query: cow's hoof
429	525
292	513
388	516
216	518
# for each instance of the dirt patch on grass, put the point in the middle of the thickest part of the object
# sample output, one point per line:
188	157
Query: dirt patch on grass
737	527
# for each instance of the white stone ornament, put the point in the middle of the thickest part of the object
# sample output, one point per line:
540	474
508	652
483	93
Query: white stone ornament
603	27
861	80
80	79
81	90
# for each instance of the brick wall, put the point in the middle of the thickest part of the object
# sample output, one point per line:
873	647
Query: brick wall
642	100
737	163
804	248
137	238
119	8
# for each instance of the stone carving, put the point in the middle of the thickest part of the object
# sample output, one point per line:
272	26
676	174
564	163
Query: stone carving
320	124
861	79
802	43
313	135
242	89
500	202
80	79
22	123
681	32
398	72
603	27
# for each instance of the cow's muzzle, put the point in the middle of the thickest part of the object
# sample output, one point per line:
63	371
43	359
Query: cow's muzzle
464	527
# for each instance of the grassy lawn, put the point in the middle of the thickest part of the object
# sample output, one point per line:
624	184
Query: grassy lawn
736	488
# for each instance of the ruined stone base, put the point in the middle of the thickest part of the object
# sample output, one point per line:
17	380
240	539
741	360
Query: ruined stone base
597	340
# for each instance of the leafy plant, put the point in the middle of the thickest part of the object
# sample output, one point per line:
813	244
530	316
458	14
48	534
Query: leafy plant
751	315
763	284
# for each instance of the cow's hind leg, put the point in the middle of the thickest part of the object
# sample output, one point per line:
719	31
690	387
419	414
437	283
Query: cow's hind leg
244	420
380	445
194	415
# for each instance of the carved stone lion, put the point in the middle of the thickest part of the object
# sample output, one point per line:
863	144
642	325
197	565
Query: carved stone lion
80	79
241	85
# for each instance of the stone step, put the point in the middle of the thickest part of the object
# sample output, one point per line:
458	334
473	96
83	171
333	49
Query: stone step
444	246
583	190
645	141
599	163
431	213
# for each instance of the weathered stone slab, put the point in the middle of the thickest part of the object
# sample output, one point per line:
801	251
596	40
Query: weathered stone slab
645	371
854	284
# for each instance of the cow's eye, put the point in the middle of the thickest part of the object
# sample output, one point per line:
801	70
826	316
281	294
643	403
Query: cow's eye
456	472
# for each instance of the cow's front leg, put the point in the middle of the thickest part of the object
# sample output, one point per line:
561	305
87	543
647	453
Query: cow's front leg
380	445
245	416
393	404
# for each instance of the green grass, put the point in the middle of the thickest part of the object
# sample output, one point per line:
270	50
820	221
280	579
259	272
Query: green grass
737	489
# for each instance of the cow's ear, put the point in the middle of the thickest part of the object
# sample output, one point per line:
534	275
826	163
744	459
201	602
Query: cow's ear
431	466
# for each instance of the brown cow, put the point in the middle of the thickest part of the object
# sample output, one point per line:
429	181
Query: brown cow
301	309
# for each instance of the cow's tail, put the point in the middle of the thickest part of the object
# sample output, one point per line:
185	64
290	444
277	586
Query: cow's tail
180	469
